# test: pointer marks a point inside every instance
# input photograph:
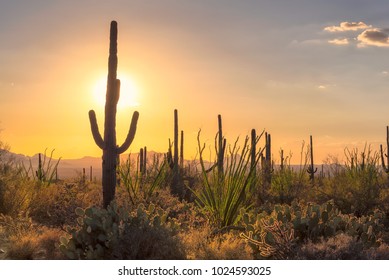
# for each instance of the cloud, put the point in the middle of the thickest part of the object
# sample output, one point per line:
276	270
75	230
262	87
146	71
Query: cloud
347	26
344	41
368	35
374	37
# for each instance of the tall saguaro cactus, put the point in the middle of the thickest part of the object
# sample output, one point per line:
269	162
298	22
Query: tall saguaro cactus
383	155
311	168
108	144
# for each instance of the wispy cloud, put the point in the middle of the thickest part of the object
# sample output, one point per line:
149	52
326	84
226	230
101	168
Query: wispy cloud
374	37
347	26
343	41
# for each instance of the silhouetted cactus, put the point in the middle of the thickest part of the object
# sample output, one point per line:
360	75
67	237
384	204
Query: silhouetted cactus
267	164
177	186
182	150
40	174
253	152
282	159
110	150
385	166
143	160
311	168
220	146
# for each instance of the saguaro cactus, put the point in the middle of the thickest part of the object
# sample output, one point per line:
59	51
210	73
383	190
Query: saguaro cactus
385	166
267	163
108	144
253	151
220	148
176	184
311	168
143	160
182	150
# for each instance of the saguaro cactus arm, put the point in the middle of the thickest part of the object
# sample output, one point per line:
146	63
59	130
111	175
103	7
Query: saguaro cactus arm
131	134
95	130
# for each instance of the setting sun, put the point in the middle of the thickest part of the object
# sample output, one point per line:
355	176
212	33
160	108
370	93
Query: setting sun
128	92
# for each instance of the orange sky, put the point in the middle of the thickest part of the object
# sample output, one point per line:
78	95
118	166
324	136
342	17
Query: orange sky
292	78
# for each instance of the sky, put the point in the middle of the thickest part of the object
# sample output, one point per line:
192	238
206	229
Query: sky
294	68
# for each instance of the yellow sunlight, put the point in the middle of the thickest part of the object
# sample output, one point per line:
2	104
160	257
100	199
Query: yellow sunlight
128	92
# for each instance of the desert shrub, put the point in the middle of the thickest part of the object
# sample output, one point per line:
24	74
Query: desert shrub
55	205
16	226
341	247
201	244
48	241
35	244
144	238
22	247
357	186
276	234
14	191
27	240
138	184
116	233
187	213
289	184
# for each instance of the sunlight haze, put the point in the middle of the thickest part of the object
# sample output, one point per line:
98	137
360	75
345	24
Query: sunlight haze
294	68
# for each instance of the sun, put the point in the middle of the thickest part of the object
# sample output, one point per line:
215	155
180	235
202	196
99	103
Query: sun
128	92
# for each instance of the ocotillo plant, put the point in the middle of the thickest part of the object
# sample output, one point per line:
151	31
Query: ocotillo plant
385	166
311	168
110	150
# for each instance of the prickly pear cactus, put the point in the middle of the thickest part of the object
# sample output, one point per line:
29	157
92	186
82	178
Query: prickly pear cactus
100	230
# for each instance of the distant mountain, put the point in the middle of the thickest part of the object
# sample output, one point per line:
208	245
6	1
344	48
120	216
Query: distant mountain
71	168
68	168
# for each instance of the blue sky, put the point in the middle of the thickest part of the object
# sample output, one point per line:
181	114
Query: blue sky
294	68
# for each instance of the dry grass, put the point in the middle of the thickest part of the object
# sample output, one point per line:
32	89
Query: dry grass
341	247
200	246
34	245
148	243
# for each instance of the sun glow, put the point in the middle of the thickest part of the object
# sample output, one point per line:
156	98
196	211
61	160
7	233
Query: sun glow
128	92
